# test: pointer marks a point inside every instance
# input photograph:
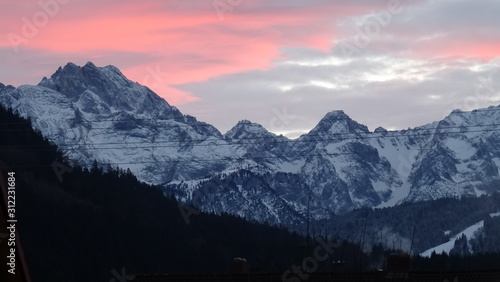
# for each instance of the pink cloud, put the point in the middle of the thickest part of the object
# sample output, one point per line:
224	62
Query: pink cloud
191	43
456	49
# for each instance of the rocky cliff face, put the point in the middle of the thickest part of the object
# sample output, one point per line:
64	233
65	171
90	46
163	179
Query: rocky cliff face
97	113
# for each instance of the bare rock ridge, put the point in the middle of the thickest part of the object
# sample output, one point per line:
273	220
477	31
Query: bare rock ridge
97	113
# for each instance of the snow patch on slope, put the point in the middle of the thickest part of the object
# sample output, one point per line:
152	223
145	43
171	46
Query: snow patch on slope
446	247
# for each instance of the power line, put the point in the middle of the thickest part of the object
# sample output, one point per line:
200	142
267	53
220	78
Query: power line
178	160
190	160
201	123
217	142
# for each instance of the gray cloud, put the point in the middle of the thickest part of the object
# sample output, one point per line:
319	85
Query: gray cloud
387	83
414	71
392	103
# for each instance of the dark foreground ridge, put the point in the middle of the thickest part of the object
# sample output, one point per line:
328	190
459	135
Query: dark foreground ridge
375	276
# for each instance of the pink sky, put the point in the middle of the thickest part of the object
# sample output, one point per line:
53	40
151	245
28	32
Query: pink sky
187	43
163	44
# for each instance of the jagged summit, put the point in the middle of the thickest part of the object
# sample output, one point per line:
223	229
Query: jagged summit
105	90
248	129
88	94
380	129
477	117
73	80
341	163
336	114
338	122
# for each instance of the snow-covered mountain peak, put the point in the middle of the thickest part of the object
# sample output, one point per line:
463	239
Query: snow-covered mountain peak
481	117
380	130
106	88
336	114
73	80
338	122
248	129
339	164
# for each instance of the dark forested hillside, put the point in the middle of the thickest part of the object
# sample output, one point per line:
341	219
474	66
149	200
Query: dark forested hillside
488	238
80	224
427	223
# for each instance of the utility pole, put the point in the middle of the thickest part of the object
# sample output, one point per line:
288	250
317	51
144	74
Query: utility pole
413	237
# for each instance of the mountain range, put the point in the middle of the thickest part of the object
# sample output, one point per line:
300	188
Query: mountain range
95	113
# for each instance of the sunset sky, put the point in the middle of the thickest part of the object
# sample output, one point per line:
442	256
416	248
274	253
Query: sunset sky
281	63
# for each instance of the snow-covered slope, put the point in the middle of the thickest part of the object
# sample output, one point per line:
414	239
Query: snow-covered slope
469	232
97	113
447	246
